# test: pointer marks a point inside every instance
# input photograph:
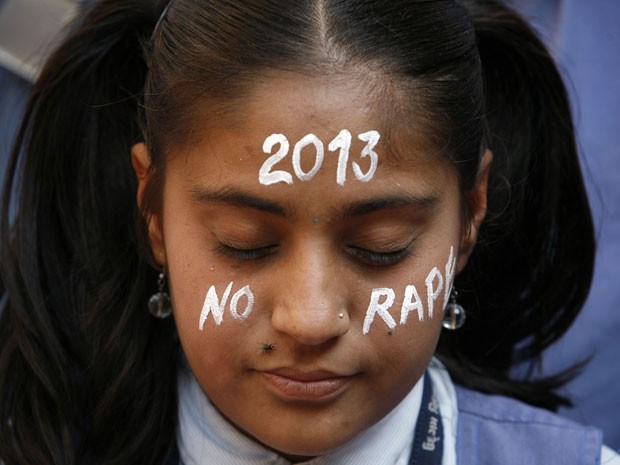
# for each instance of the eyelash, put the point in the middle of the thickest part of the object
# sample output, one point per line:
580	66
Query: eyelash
246	255
367	257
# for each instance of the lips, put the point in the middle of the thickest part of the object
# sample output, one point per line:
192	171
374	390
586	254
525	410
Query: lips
318	385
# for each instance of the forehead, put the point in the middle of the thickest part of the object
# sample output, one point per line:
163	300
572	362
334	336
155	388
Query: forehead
329	101
294	106
320	101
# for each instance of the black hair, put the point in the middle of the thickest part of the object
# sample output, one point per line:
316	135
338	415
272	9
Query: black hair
86	375
532	267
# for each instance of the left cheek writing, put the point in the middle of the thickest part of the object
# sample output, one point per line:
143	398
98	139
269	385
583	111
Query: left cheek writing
215	305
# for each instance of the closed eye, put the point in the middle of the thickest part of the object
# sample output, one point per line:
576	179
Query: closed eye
246	254
375	258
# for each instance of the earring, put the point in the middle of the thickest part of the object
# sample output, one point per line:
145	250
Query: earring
160	305
454	314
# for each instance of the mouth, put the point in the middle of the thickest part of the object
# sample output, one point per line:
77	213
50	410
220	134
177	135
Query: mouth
319	385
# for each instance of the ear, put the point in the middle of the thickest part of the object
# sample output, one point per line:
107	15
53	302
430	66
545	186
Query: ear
477	202
141	162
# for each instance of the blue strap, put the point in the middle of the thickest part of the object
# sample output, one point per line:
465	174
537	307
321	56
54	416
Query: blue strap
428	439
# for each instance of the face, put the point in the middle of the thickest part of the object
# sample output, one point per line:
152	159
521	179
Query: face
301	288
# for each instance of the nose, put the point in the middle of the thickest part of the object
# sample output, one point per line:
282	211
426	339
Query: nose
311	306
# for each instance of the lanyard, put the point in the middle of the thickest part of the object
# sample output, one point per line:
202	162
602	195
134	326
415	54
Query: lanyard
428	440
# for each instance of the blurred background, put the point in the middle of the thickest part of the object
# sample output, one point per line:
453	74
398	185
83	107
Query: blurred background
584	37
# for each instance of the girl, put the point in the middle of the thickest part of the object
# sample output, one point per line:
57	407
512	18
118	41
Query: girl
308	179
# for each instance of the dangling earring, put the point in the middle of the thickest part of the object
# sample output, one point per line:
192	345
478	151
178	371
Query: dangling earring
160	305
454	314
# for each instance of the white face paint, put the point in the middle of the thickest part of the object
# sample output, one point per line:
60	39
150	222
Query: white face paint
411	302
434	285
247	292
450	266
381	308
215	306
309	139
372	137
265	175
432	290
341	143
381	300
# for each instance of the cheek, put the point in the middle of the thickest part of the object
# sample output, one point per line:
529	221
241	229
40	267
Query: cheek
216	352
413	338
418	296
397	360
191	272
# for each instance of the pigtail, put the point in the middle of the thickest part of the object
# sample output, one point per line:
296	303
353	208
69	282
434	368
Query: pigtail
531	270
86	376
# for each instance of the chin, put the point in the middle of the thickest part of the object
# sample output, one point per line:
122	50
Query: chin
299	447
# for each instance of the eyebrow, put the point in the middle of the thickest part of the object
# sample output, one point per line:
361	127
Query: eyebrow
364	207
236	198
239	198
